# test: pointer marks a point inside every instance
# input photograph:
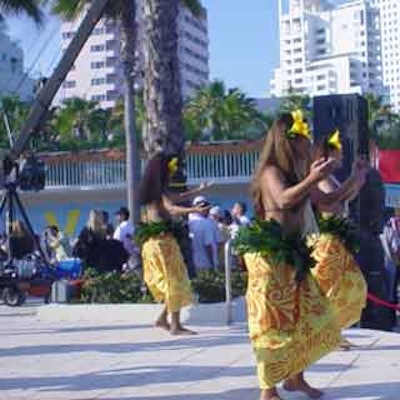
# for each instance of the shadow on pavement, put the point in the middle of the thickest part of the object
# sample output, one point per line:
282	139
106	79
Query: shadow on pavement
127	347
124	378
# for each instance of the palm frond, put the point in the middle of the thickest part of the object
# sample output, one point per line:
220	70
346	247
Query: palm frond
194	6
28	7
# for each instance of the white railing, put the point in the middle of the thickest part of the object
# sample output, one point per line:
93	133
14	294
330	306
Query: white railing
223	168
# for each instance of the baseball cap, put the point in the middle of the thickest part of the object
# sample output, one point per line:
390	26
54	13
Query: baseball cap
122	211
200	200
216	210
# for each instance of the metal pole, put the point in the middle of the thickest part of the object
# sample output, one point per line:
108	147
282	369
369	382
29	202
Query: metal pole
228	287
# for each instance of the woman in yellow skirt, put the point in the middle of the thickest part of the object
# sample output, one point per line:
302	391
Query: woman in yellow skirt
336	271
164	269
290	322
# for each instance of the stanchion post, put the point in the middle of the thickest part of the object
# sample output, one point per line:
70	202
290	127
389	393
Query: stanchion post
228	288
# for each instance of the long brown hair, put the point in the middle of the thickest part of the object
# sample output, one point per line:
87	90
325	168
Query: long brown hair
278	150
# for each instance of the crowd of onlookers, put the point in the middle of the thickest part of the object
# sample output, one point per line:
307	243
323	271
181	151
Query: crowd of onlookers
210	230
104	247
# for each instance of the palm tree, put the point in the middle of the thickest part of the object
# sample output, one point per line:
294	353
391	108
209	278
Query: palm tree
294	101
15	7
380	114
123	11
13	112
162	85
220	114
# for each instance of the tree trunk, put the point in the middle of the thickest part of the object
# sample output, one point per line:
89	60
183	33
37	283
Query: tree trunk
162	86
128	48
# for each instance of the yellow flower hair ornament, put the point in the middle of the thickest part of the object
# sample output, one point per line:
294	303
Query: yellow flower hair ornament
334	140
173	165
299	127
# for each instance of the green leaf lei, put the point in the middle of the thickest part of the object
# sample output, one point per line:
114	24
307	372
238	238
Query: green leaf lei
267	238
342	228
145	231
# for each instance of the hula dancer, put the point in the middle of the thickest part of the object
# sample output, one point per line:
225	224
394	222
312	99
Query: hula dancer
165	272
290	322
336	271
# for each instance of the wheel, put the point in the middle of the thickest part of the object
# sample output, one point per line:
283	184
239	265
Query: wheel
13	297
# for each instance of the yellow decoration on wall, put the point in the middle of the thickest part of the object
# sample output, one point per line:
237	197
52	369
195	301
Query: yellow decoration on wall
71	224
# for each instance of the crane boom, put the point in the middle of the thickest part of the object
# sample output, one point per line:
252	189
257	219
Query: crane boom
46	95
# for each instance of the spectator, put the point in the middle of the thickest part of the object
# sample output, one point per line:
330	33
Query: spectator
391	253
57	245
21	242
217	215
239	218
95	250
204	234
125	234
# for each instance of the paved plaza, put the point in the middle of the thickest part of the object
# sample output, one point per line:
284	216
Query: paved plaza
57	360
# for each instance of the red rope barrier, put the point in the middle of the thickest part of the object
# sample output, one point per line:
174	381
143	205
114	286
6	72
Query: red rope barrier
383	303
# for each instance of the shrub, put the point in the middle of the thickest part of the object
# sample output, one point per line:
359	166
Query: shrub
114	287
209	285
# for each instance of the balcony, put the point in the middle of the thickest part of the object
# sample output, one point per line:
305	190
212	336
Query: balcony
225	163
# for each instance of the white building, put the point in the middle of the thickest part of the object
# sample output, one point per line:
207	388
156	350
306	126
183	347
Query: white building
389	11
327	49
13	79
97	72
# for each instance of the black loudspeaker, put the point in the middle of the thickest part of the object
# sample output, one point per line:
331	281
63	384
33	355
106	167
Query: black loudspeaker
349	114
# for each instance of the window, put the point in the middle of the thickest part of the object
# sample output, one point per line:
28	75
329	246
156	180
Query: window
97	64
68	35
321	87
98	97
111	44
320	77
111	61
98	31
97	47
69	84
111	78
98	81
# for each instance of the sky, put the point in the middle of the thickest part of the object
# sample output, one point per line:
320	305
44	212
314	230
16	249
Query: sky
244	43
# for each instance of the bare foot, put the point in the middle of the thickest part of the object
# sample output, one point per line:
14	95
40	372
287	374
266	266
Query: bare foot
300	385
345	345
270	394
181	331
163	324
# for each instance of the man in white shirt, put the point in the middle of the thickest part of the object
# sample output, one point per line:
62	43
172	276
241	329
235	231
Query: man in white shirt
239	218
124	233
205	236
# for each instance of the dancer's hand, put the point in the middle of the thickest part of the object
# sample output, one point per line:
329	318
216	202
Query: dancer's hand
201	208
322	168
206	185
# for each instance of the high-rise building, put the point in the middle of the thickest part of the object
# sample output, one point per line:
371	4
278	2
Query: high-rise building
97	72
13	79
326	49
389	11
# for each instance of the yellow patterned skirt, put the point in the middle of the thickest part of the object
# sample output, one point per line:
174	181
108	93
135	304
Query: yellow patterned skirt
291	325
340	279
165	272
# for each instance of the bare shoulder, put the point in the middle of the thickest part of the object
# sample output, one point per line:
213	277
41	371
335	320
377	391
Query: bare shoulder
272	173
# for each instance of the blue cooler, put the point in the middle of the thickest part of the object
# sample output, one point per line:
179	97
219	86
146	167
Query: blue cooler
70	268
